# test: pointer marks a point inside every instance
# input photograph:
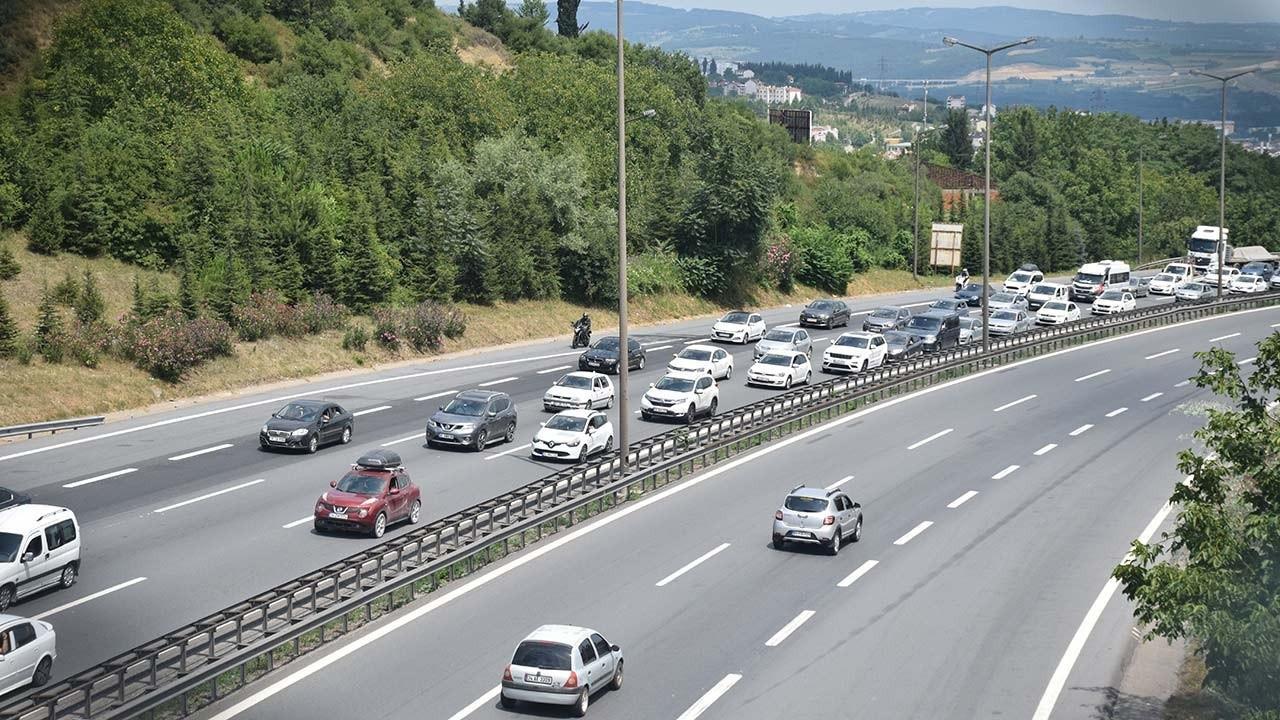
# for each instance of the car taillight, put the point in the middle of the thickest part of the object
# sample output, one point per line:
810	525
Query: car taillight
777	515
506	673
829	520
572	682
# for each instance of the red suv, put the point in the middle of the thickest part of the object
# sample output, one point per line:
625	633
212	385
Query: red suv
374	494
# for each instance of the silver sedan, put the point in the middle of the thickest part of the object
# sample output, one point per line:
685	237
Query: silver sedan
784	340
1008	322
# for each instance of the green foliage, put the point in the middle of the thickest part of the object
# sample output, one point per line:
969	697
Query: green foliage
9	267
955	139
8	330
823	258
654	273
89	304
1215	578
248	37
49	328
567	18
355	338
67	291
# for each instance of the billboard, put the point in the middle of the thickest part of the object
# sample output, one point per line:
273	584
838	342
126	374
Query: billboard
797	123
944	246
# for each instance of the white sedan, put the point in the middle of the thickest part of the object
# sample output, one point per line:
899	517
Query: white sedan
780	369
1225	276
703	358
29	649
573	435
1249	284
580	389
855	352
1058	312
1007	301
1166	283
739	326
1114	301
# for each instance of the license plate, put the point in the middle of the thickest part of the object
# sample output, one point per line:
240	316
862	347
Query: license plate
594	363
338	516
538	679
446	436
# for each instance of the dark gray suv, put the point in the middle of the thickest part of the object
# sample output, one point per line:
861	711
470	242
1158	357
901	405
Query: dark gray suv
937	329
474	419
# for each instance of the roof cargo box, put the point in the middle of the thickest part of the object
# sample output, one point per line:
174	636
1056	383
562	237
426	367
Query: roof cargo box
379	460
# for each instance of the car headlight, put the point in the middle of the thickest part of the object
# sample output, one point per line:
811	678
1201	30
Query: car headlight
264	429
931	339
467	427
364	512
299	432
573	443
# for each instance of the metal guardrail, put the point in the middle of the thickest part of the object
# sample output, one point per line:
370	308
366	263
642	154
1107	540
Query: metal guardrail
52	426
195	665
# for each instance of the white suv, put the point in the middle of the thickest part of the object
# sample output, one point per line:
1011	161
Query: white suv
855	352
684	395
39	548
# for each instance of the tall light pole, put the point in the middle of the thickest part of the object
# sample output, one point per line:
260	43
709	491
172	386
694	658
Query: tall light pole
986	197
1139	261
915	207
1222	171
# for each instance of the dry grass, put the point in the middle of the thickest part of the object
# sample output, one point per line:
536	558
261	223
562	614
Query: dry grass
28	32
1191	701
477	47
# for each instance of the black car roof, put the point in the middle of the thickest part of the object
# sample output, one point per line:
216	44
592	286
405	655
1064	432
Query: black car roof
310	403
480	394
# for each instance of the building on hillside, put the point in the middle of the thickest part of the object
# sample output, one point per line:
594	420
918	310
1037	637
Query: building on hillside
956	102
982	111
823	133
1215	124
958	185
905	108
895	148
778	94
747	74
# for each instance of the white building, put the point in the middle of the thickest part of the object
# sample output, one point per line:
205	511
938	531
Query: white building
823	133
955	102
778	94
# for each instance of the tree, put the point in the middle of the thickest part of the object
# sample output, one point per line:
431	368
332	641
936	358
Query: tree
188	293
8	330
714	70
9	267
89	305
567	18
490	15
535	11
956	143
1215	579
48	327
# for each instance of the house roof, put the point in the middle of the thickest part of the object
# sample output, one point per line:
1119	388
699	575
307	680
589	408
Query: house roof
954	179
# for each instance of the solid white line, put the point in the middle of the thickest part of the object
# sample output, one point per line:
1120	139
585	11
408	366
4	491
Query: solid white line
289	679
694	342
839	482
1093	375
823	339
1046	449
1063	671
1275	325
1080	430
87	598
369	411
789	628
1184	383
508	452
853	576
206	496
1117	411
296	523
108	476
1006	406
655	342
557	368
1161	354
389	443
496	382
1247	361
931	438
1005	472
215	448
478	703
962	499
1224	337
790	324
660	347
433	396
913	532
1152	396
706	700
703	558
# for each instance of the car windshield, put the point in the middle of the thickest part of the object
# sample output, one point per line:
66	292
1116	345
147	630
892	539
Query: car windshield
735	317
1164	277
1055	306
968	323
897	338
854	341
1003	297
674	384
972	288
1203	246
1044	290
466	406
945	304
1020	277
800	503
886	313
579	382
775	359
296	411
920	322
1089	278
1112	295
1004	315
9	544
607	343
360	483
567	422
692	354
543	655
821	306
780	336
1195	287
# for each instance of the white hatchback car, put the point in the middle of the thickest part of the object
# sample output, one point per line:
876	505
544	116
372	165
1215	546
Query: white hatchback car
703	358
39	549
781	369
855	352
579	390
561	665
1058	312
27	651
1114	301
573	435
1249	284
684	395
739	326
1166	283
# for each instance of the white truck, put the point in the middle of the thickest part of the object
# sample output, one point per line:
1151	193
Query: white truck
1205	244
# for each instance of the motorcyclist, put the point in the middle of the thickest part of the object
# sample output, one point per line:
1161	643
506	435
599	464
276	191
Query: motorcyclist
962	278
582	331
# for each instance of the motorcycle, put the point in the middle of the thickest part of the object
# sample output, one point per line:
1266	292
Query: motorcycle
581	334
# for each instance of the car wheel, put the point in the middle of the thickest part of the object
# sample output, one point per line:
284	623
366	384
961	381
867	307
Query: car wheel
6	597
314	443
609	405
68	577
857	530
641	365
415	512
582	454
728	373
616	684
834	548
507	703
43	670
608	445
715	402
864	366
787	385
511	433
778	542
482	438
580	707
690	414
380	525
346	435
319	527
645	416
808	375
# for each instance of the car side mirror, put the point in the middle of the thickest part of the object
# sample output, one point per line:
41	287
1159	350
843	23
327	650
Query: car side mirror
542	424
333	483
615	648
28	557
650	384
493	413
440	408
394	491
857	506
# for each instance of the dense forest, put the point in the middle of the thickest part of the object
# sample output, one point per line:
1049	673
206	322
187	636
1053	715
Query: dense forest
813	79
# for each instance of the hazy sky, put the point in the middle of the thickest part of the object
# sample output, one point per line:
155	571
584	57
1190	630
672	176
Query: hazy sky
1195	10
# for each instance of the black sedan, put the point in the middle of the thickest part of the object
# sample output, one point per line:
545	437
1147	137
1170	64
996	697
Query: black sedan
825	313
10	498
602	356
903	345
306	425
972	294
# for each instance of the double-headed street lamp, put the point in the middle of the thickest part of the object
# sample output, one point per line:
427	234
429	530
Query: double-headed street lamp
986	198
1222	170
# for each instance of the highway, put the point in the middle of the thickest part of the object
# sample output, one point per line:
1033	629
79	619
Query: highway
996	506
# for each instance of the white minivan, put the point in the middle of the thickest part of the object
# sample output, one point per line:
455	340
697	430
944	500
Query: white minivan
1044	292
1093	279
39	549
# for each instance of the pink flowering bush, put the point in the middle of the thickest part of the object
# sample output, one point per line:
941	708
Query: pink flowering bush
780	263
170	344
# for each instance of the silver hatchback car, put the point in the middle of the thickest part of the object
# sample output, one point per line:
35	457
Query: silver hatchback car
784	340
817	517
561	665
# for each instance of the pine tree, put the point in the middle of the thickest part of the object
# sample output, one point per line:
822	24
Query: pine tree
139	309
567	18
188	294
368	280
426	266
8	330
89	305
48	328
67	290
9	267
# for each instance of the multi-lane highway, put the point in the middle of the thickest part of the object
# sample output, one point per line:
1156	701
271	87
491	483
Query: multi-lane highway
996	506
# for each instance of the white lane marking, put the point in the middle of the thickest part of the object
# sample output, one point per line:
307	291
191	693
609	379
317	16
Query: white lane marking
1021	400
852	577
478	703
87	598
1275	325
1090	376
205	451
789	628
395	624
1161	354
712	695
1184	383
655	342
660	347
1247	361
300	521
206	496
839	482
792	324
701	559
1152	396
1117	411
1005	472
913	532
1059	679
433	396
1080	430
498	381
823	339
525	446
694	342
370	411
557	368
416	436
1224	337
962	499
1046	449
931	438
96	478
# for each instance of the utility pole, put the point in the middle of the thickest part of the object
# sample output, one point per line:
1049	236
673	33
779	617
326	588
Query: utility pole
1140	148
624	349
1222	171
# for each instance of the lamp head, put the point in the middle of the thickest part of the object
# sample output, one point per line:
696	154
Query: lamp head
648	113
949	41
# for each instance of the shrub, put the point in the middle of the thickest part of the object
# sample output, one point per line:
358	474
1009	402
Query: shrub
169	345
779	263
86	342
823	259
701	276
321	312
89	304
67	290
8	330
248	38
9	267
355	338
48	334
424	325
654	274
266	314
386	326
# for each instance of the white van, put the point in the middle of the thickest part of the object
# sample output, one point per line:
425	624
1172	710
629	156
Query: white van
1044	292
1093	279
1021	281
1182	270
39	548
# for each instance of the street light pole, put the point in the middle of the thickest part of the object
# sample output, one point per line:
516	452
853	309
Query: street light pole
1222	171
1139	262
624	349
915	208
986	197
